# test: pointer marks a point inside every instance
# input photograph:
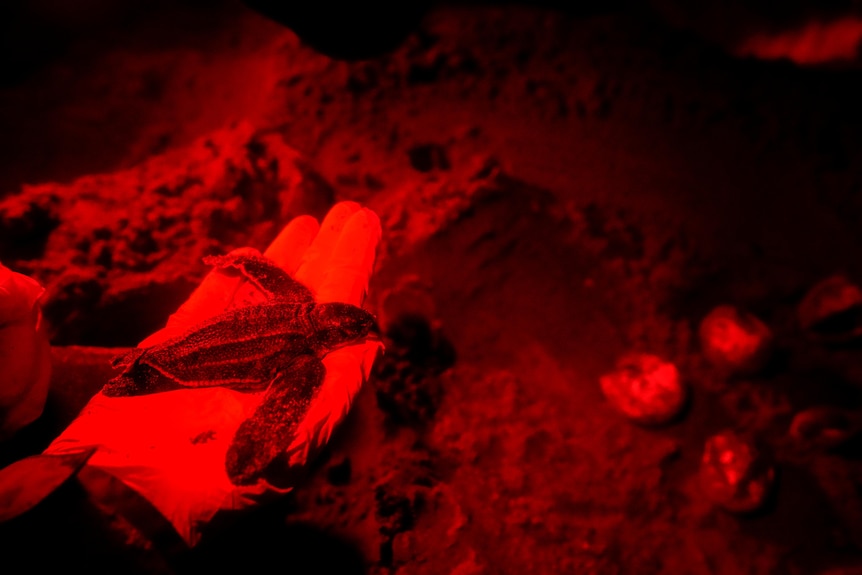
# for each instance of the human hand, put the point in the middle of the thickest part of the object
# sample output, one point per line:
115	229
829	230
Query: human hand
171	447
25	365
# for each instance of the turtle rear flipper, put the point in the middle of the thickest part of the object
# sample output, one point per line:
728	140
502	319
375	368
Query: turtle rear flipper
270	431
139	379
126	359
264	274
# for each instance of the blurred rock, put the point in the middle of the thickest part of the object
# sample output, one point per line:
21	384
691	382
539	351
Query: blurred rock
134	239
734	473
832	310
407	376
823	427
856	570
733	341
428	157
645	388
409	297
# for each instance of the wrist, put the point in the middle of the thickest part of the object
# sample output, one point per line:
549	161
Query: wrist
69	529
134	519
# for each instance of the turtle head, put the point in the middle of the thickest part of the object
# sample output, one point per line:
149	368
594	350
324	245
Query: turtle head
339	323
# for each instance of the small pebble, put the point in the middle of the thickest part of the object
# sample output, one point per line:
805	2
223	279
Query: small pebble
733	341
645	388
734	474
832	310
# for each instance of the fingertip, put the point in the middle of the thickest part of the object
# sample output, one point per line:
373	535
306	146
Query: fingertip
371	221
352	260
311	270
289	247
336	256
342	211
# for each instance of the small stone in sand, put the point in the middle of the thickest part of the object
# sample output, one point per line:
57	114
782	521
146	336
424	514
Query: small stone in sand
645	388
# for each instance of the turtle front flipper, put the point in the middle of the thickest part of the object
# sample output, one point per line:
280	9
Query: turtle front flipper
264	274
271	430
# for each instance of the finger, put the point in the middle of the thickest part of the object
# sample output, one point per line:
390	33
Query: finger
347	369
352	260
315	261
286	251
211	297
290	246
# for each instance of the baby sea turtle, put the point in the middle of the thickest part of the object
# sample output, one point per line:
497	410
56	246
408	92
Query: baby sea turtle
275	346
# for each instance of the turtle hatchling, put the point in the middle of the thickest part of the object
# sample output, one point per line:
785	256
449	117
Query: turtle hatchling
276	346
